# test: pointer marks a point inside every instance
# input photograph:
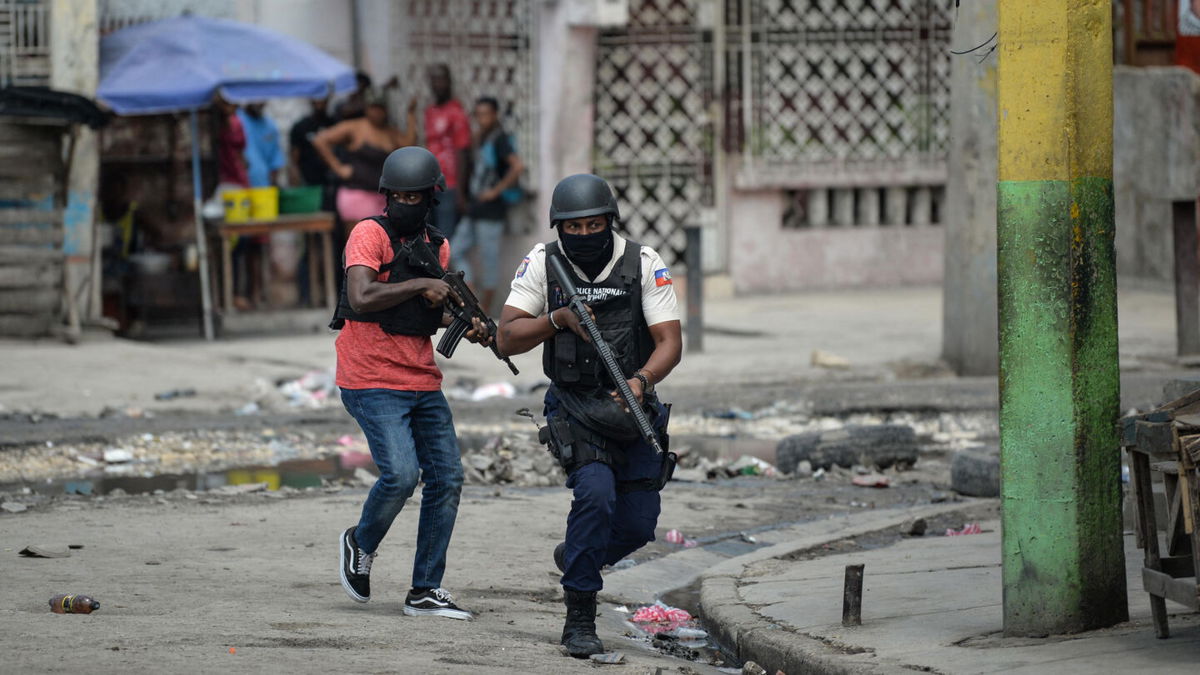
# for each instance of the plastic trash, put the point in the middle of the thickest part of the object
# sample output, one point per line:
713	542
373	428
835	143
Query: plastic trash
174	393
970	528
674	537
872	480
685	633
34	551
624	564
73	604
494	390
608	658
660	613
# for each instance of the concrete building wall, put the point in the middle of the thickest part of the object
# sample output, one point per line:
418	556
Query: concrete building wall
765	257
1156	152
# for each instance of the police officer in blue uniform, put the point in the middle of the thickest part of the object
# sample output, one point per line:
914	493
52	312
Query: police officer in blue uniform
614	474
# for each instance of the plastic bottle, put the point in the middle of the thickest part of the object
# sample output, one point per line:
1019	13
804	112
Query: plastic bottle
73	604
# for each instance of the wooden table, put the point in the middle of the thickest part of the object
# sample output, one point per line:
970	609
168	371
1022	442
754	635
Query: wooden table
319	225
1164	444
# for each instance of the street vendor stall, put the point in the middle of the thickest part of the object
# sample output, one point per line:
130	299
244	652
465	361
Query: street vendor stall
181	64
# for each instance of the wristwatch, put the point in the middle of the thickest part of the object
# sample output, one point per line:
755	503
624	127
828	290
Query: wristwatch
647	388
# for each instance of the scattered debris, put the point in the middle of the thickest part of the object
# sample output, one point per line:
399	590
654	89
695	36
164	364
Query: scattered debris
914	528
872	480
625	564
752	668
660	618
364	477
117	456
969	528
174	394
13	507
34	551
608	658
751	466
823	359
250	408
733	413
315	389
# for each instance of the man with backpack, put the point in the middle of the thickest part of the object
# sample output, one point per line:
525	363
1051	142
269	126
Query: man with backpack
491	190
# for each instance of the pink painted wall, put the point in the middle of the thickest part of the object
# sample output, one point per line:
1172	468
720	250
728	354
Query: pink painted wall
766	258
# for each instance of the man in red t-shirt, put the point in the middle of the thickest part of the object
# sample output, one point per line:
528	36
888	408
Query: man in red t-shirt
391	385
448	137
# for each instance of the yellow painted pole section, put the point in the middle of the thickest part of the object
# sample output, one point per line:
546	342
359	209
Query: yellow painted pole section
1043	134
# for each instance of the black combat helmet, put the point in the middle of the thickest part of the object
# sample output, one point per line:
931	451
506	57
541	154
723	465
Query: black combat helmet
411	169
580	196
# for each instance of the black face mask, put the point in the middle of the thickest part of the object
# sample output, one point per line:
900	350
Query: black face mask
587	249
406	219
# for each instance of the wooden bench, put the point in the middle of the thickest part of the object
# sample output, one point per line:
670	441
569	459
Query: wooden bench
1164	445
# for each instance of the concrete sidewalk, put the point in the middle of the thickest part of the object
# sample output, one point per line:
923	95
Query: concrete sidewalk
930	604
885	334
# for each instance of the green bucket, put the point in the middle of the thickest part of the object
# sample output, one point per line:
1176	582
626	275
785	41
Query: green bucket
305	199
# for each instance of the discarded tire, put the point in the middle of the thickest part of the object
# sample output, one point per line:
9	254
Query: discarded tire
880	445
976	472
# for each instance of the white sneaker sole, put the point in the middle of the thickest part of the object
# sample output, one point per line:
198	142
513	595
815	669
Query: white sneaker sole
342	571
460	614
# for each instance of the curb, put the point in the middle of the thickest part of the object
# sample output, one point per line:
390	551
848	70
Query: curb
776	647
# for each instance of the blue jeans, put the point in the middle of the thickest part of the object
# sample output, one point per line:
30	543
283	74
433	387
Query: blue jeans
445	214
484	235
411	436
605	525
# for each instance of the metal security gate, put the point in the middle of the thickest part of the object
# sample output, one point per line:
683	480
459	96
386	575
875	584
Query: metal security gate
488	45
839	87
652	138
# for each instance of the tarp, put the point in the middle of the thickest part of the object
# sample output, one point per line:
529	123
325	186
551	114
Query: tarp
48	103
179	64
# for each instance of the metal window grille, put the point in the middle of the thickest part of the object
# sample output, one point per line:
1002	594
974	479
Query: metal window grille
839	82
488	45
652	138
24	43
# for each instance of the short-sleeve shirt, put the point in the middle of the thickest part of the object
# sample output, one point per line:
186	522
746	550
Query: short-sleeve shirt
264	154
231	143
447	131
312	167
659	304
369	358
491	165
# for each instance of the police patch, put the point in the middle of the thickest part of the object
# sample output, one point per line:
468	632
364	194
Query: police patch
521	269
662	277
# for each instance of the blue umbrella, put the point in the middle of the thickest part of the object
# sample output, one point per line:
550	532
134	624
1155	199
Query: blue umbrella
180	64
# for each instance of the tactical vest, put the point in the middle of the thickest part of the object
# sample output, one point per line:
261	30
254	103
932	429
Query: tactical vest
573	363
411	317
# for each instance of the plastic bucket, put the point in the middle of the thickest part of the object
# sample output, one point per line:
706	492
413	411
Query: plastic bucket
237	205
305	199
264	203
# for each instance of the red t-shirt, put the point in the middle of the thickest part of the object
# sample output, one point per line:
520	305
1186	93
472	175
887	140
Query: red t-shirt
231	143
446	132
367	357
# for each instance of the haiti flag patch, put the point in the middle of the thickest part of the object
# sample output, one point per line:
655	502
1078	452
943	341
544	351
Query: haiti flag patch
662	277
522	268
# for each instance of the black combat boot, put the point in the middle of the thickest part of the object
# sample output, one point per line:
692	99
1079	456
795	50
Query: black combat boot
579	632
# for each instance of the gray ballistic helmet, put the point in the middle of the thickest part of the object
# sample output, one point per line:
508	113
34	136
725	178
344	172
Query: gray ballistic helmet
411	169
580	196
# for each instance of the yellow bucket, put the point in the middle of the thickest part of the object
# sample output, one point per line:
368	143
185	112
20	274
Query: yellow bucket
237	205
264	203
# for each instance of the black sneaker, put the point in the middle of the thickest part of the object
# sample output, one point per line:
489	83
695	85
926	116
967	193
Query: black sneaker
434	602
354	567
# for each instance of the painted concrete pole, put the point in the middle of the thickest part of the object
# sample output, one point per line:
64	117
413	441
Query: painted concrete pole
1059	386
969	284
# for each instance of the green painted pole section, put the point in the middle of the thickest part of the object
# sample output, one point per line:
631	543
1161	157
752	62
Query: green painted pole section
1063	553
1059	402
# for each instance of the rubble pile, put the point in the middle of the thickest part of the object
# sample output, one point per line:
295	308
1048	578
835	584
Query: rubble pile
514	458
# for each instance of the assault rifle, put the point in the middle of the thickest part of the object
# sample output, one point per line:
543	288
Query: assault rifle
420	256
575	302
